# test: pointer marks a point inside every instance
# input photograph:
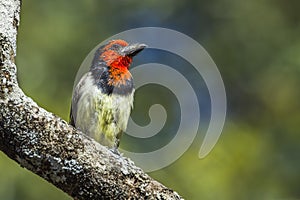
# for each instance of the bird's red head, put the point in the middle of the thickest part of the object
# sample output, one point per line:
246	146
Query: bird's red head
118	54
112	56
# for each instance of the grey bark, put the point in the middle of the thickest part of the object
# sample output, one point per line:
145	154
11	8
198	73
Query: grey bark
48	146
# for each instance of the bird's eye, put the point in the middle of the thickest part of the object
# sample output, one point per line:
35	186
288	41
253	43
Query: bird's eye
115	47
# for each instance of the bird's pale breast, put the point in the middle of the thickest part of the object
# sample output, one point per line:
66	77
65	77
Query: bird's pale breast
102	116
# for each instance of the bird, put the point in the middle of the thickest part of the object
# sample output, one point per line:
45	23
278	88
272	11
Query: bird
103	98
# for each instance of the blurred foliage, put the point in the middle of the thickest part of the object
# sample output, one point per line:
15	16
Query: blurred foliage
256	46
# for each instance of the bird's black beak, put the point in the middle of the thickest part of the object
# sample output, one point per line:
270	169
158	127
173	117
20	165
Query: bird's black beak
133	49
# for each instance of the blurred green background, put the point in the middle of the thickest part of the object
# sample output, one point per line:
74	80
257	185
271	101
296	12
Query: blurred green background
256	46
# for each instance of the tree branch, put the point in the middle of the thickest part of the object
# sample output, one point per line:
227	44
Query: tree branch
48	146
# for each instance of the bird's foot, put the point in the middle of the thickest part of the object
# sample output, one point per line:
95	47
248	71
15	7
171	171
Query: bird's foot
115	151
